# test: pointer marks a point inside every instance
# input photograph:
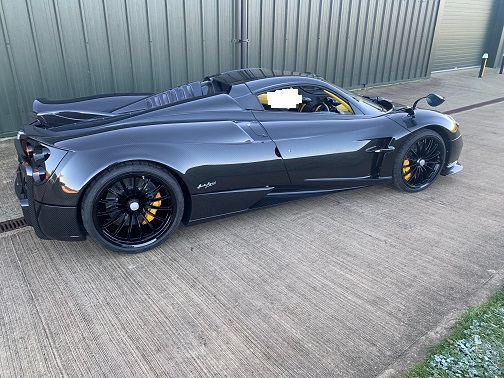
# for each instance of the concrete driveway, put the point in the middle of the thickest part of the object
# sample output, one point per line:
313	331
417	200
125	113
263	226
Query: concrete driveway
353	284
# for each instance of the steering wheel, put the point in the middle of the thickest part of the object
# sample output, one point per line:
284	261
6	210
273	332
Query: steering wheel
321	107
332	105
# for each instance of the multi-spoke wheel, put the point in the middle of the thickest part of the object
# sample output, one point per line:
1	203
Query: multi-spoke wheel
132	207
419	161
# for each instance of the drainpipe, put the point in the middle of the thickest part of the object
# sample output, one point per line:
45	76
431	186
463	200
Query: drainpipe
244	34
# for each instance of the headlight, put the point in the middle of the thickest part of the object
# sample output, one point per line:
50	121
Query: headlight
454	126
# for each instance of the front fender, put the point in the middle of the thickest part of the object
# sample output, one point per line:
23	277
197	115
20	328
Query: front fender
441	123
427	118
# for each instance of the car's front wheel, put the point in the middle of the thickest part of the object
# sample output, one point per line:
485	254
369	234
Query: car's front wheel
132	207
419	161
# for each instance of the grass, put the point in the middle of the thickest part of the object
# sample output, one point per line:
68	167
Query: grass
474	349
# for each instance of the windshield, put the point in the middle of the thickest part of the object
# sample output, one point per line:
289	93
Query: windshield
365	101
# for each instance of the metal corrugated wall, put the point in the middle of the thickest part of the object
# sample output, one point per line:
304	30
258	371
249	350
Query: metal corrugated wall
496	40
463	33
71	48
349	42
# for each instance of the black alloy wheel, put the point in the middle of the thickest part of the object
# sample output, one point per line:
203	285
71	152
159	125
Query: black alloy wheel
419	162
132	207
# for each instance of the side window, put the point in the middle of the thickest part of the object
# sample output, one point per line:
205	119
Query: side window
304	99
281	99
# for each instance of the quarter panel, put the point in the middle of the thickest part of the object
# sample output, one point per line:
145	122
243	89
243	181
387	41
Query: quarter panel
224	157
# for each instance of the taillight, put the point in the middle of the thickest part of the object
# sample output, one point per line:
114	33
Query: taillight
39	173
36	156
40	153
29	150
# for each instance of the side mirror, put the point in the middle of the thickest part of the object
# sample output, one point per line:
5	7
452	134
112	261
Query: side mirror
432	99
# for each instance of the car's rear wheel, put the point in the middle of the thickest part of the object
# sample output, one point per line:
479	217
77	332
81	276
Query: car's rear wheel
132	207
419	161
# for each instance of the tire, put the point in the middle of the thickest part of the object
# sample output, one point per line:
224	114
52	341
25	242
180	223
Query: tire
132	207
419	161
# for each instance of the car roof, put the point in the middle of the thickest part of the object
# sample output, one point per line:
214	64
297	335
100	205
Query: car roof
231	78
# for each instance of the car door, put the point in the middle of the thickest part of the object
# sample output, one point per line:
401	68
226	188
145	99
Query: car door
329	149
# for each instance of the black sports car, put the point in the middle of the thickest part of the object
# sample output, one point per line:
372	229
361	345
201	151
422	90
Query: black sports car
127	169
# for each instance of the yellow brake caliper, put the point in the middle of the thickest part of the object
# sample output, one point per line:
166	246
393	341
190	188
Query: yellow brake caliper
406	170
149	215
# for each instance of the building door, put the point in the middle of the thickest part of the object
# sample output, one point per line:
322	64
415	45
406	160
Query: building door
463	34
